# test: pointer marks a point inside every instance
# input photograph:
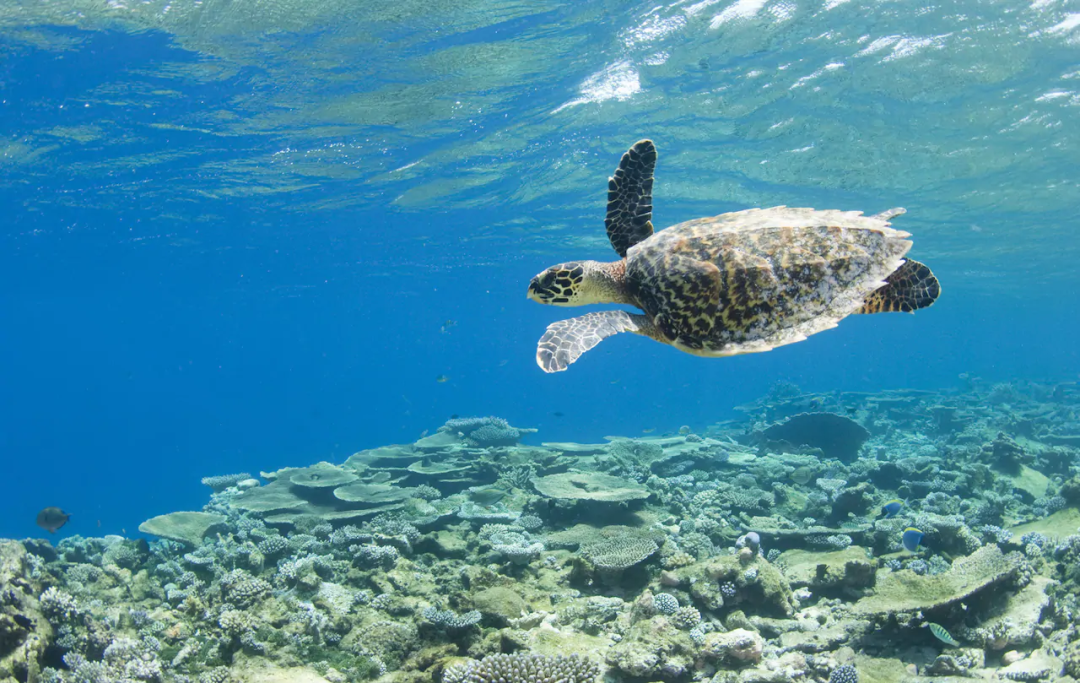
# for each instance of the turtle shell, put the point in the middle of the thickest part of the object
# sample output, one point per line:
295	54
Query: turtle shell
750	281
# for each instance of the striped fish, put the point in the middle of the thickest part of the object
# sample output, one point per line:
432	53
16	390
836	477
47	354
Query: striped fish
941	634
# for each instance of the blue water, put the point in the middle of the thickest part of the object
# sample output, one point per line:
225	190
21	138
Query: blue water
224	250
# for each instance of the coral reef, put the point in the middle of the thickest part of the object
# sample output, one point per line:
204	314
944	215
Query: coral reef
753	551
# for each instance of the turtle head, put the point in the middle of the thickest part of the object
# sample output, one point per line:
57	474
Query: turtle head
577	283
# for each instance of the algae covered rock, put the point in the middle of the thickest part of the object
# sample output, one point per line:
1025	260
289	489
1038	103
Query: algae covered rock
499	603
261	671
754	585
24	633
847	568
1016	617
1058	525
1040	666
739	645
188	527
906	591
654	649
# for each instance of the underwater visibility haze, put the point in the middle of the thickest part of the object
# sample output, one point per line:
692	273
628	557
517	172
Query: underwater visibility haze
270	402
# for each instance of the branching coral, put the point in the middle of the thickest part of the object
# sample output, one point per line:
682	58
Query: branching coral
524	668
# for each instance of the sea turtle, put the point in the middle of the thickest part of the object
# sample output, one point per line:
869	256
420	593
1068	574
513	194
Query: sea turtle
740	282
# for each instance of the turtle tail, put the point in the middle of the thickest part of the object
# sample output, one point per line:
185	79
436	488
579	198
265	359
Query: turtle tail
910	287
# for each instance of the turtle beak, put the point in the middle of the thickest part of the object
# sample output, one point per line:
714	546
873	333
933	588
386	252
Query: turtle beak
533	292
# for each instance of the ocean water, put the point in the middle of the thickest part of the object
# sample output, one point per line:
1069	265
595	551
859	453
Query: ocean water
233	233
250	235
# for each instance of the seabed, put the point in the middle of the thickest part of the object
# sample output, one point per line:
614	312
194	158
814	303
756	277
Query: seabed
749	551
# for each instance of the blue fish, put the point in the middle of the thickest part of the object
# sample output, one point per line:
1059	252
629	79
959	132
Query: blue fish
891	509
911	538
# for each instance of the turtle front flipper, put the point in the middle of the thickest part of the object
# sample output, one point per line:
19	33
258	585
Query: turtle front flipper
910	287
629	209
565	340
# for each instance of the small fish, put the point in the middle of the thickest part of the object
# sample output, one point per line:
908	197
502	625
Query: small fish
52	518
614	381
911	538
447	325
454	416
891	509
442	378
488	495
558	414
684	430
802	475
941	634
648	431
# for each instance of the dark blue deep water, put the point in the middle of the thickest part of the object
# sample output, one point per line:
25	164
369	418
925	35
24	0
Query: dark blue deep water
232	235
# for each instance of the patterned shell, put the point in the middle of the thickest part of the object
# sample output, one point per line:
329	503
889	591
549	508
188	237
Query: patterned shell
753	280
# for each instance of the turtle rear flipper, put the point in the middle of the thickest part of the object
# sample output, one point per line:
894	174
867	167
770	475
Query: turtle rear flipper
565	340
629	209
910	287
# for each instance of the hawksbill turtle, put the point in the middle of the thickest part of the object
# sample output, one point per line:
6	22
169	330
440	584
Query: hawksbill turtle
741	282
